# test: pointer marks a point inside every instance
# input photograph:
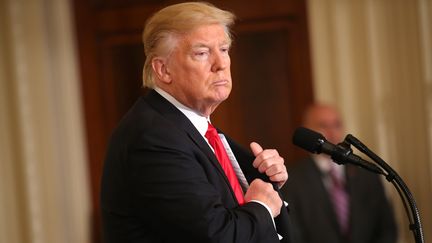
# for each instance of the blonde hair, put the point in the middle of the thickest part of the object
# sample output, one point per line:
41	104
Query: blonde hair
161	30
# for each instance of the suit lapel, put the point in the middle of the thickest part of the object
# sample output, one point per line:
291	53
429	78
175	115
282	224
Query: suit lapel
354	198
317	179
178	119
245	160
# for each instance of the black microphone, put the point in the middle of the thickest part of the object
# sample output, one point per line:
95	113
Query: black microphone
341	153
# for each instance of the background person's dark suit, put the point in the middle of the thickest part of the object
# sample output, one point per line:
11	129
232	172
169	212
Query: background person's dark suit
162	183
313	216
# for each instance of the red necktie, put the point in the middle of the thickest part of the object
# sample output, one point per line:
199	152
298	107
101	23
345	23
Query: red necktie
220	152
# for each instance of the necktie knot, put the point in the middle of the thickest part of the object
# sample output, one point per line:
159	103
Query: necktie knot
211	132
337	180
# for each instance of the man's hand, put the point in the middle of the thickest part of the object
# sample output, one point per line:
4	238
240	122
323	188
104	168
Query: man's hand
271	163
264	192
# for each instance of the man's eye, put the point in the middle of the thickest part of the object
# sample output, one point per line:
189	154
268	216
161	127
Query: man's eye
201	55
225	50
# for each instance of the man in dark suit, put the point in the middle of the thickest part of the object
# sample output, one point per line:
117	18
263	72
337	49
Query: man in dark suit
166	177
333	203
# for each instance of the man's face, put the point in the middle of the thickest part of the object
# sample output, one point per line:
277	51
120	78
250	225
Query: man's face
327	121
199	67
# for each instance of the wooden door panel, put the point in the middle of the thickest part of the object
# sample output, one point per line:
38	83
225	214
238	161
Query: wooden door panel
122	62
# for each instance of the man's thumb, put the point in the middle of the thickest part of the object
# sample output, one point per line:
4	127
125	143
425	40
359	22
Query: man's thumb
256	148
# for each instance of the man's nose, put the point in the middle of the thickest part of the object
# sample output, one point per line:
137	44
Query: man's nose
220	61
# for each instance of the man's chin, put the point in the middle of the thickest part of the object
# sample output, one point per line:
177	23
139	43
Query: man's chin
220	97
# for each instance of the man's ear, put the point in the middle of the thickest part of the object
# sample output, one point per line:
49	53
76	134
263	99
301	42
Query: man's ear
161	70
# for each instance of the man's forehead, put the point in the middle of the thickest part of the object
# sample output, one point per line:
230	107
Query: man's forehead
204	35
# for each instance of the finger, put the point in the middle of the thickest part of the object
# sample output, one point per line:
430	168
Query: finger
257	181
256	148
275	169
280	177
269	154
270	162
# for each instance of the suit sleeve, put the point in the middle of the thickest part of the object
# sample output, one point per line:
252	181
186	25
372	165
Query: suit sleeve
170	185
246	158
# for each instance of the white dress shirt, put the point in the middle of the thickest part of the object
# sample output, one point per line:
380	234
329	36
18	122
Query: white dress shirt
325	164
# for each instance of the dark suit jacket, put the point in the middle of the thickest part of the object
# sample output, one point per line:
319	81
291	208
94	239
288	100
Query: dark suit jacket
162	183
313	216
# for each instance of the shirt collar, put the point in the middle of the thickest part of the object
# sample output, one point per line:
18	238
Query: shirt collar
325	164
199	122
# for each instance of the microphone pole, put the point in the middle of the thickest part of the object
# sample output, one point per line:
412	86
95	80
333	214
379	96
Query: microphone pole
399	184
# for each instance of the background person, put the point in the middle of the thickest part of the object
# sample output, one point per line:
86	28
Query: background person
333	203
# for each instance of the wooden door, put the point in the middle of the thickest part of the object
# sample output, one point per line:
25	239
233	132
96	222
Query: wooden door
270	68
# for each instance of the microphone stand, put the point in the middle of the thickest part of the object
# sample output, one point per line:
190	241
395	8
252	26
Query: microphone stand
391	176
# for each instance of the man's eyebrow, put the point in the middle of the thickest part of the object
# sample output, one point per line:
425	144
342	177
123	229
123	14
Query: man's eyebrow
203	45
200	45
